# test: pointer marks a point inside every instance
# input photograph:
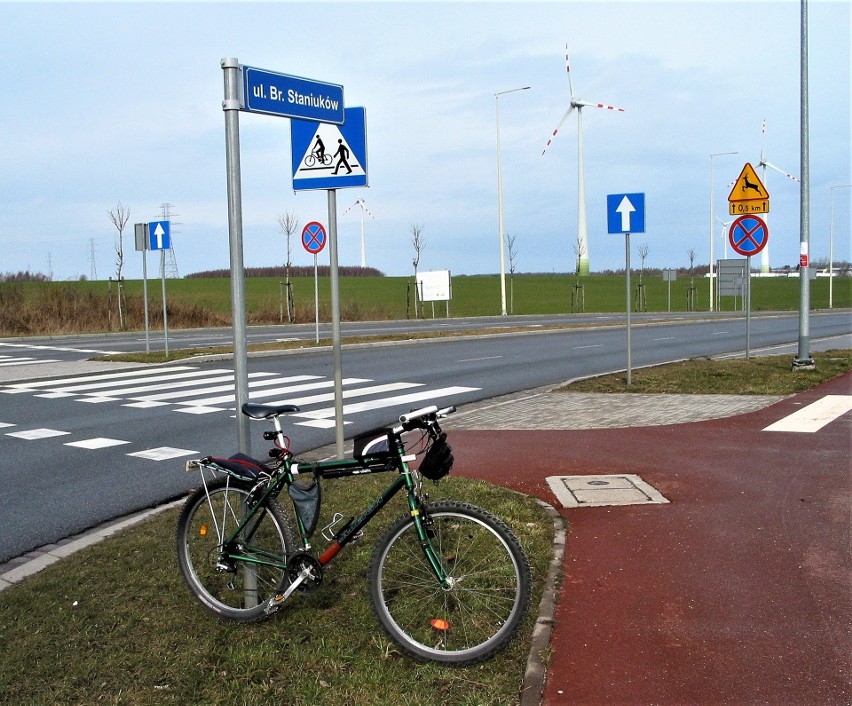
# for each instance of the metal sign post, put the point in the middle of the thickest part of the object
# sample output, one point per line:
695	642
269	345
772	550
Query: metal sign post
165	302
335	323
141	232
748	235
231	106
625	213
314	238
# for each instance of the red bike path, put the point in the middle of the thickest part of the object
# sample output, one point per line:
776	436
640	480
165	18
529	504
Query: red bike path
737	592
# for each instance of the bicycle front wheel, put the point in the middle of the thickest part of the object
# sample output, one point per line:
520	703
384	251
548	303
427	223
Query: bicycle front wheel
232	588
487	595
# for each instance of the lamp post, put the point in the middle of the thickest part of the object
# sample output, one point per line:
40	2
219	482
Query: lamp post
500	200
831	244
712	215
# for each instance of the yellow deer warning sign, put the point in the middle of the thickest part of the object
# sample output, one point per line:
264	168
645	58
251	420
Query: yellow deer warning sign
749	195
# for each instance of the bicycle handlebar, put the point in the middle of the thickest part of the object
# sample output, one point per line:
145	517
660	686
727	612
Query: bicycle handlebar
410	420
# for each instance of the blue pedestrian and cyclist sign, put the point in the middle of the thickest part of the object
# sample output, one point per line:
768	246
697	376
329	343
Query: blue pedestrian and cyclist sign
625	213
328	156
748	235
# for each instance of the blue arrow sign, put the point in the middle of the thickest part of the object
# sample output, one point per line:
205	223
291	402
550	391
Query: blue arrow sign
159	235
625	213
326	156
291	96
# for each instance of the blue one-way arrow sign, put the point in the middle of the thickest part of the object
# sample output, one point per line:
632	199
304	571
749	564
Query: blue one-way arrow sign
625	213
159	235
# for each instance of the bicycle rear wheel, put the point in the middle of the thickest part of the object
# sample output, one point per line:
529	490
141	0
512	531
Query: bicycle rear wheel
488	596
236	589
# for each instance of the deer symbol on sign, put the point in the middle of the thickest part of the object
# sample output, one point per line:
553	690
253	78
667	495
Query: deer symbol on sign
748	185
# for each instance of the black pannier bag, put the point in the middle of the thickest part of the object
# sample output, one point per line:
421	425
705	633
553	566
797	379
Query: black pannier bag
307	500
438	459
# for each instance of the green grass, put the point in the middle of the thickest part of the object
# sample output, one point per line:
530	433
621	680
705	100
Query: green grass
763	375
115	624
59	307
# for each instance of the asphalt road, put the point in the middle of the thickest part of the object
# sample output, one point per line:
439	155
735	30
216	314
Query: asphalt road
78	450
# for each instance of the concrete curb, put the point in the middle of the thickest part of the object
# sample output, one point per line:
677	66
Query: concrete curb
41	558
536	671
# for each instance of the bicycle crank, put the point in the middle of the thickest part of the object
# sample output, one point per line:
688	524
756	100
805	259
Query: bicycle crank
304	573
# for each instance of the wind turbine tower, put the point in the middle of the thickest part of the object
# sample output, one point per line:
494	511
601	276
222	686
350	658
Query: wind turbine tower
364	210
764	254
579	104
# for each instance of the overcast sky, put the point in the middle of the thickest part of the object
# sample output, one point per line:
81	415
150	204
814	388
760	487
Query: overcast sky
108	102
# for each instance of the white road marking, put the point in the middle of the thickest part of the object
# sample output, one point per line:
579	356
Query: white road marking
815	416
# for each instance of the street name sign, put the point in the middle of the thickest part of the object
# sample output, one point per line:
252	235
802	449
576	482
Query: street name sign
625	213
288	96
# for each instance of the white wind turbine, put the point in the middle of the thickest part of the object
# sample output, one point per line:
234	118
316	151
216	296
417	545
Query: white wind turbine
764	254
582	233
725	225
364	209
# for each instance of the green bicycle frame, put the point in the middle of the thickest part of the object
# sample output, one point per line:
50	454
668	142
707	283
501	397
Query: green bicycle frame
334	469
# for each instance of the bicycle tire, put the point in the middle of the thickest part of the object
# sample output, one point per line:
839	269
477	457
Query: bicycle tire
228	593
475	618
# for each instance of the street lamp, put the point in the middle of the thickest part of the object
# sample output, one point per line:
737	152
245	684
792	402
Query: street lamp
500	199
831	244
712	215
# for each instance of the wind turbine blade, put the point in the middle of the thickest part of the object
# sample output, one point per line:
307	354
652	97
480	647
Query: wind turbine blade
561	123
598	105
762	139
350	208
568	71
780	171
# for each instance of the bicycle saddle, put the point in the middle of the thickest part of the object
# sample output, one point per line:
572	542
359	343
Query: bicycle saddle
265	411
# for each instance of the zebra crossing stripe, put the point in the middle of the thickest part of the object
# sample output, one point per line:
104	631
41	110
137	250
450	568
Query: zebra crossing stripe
166	380
223	388
30	386
320	417
287	390
27	361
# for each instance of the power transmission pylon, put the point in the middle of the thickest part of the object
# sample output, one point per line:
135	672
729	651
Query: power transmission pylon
171	260
93	270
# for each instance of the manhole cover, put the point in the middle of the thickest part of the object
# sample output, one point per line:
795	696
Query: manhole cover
596	491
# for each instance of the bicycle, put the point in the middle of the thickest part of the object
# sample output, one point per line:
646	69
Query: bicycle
448	582
314	158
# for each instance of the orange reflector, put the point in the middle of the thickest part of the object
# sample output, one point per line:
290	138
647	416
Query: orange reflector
202	530
440	624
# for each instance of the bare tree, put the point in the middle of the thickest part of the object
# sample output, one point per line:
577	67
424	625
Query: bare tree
579	251
289	224
513	254
419	243
119	217
643	253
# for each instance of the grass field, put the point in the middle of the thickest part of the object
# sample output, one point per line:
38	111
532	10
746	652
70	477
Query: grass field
115	624
66	307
